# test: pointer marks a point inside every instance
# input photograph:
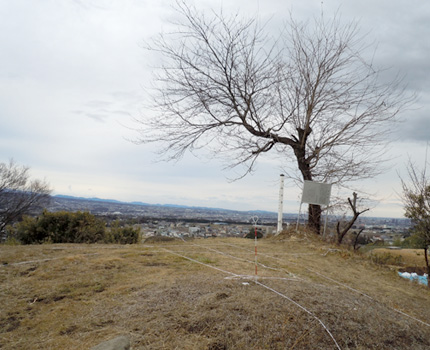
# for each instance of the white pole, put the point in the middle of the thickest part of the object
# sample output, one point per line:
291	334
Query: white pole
298	216
325	223
255	220
281	206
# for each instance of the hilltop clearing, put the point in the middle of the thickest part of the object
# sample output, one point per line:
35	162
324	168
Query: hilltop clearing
203	294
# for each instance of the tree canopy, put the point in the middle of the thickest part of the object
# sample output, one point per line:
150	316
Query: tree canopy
307	94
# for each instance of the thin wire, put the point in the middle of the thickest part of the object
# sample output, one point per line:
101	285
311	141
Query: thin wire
353	289
264	286
303	308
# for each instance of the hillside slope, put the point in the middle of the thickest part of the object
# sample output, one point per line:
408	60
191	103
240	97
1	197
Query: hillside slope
203	294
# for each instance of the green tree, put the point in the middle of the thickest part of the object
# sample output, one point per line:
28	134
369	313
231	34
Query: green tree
416	199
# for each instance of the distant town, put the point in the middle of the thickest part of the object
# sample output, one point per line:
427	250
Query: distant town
183	221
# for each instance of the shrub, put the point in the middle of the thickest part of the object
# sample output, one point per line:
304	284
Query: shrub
123	235
61	227
251	233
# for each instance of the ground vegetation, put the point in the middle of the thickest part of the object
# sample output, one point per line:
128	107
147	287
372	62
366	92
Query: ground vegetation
203	294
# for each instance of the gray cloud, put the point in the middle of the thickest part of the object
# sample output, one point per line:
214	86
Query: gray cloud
416	128
72	74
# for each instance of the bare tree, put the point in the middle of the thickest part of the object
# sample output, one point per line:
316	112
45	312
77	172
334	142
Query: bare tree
18	194
356	213
307	95
416	199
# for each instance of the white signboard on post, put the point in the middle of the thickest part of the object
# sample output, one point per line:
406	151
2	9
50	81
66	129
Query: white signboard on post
316	193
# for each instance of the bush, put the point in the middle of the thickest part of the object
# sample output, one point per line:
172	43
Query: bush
123	235
11	241
61	227
251	233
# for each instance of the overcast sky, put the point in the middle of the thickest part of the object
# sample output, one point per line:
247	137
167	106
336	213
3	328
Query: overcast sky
73	76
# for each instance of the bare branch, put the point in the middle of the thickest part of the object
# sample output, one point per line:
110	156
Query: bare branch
309	95
353	205
416	200
18	194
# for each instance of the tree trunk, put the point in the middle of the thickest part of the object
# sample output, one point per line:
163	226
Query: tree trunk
314	210
355	245
341	235
353	205
314	218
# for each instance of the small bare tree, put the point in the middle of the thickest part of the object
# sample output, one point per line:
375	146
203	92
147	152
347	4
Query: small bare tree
416	199
307	95
18	194
356	213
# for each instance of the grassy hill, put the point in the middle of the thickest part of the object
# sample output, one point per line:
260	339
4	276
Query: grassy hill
203	294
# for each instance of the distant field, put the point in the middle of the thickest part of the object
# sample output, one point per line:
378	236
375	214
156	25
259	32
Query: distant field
203	294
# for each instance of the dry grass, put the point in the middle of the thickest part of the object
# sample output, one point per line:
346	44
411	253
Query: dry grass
201	295
407	258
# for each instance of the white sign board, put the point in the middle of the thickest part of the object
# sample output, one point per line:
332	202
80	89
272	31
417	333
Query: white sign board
316	193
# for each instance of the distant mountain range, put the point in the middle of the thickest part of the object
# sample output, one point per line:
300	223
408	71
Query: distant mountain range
136	209
91	199
114	201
